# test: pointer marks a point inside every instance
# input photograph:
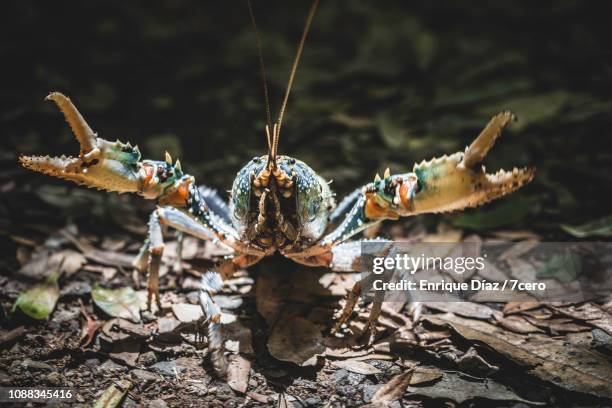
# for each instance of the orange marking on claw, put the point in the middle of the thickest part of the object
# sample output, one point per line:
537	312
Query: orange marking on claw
374	210
404	191
148	175
179	196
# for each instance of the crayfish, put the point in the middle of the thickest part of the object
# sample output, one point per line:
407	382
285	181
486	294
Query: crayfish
278	204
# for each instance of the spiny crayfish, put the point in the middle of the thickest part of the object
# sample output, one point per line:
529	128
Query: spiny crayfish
277	203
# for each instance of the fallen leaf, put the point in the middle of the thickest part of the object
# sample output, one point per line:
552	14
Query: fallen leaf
492	273
423	375
297	340
466	309
590	314
187	313
434	335
509	212
109	258
563	267
518	249
43	262
90	328
123	302
517	235
346	352
556	326
517	307
517	324
39	301
393	390
356	366
574	367
601	227
455	388
113	395
238	373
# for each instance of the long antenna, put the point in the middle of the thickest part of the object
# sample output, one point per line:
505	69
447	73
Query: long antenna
296	61
263	75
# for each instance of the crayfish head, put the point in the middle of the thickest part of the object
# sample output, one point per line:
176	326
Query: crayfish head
281	205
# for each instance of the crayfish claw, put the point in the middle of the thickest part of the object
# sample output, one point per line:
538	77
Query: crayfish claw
85	136
60	167
479	148
109	166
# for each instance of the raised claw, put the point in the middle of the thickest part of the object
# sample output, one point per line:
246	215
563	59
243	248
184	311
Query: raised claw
111	166
447	183
80	128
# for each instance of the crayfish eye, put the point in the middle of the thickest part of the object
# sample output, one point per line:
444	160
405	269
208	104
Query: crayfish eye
313	208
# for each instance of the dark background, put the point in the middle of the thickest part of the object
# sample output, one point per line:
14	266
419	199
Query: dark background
381	84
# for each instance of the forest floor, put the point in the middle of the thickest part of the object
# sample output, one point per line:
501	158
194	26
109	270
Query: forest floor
379	85
278	317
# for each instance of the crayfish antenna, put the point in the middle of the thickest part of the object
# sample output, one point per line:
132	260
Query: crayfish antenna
80	128
479	148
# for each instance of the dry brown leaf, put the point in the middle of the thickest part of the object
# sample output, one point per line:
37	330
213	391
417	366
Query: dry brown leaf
573	366
394	389
517	235
424	375
356	366
297	340
187	313
590	314
492	273
346	352
43	262
434	335
452	387
375	356
90	328
238	373
518	249
558	325
517	324
466	309
517	307
109	258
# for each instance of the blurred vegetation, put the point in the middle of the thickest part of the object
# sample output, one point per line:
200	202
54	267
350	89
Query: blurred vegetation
381	84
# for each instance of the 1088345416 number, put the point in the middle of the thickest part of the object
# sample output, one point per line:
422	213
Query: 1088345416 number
27	394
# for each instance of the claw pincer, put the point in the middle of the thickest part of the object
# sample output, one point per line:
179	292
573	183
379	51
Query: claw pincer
110	166
447	183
